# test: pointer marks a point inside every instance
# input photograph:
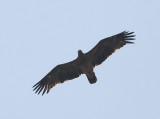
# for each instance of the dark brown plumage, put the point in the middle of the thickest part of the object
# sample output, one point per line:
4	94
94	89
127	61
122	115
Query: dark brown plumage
84	63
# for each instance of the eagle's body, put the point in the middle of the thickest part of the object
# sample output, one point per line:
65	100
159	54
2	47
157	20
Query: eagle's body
86	67
84	63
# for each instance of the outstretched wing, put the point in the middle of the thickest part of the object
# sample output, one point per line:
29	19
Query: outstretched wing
57	75
107	46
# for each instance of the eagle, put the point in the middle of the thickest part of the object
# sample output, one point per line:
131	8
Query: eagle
84	63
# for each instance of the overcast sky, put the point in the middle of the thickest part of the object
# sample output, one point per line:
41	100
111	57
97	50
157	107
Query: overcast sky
36	35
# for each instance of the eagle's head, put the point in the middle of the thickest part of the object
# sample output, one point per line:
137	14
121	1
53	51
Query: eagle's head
80	53
81	57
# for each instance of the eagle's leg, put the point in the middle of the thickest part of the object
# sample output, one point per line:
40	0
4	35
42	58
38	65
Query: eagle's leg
91	77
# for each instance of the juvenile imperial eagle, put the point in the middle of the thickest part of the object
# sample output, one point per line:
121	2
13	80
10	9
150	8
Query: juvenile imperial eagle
84	63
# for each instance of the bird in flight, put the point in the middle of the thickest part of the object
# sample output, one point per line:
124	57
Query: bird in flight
84	63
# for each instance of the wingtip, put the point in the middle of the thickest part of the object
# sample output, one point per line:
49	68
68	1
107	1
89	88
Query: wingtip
36	84
130	42
127	32
129	36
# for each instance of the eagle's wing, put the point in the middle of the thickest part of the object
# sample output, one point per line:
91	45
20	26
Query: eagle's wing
57	75
107	46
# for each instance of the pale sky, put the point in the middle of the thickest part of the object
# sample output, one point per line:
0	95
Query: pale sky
37	35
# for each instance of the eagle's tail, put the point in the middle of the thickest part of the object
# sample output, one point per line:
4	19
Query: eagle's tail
92	79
